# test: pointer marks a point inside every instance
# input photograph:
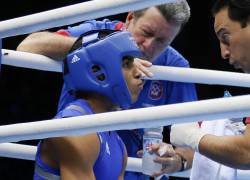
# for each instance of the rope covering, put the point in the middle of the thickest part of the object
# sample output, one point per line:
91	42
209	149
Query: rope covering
192	75
231	107
72	14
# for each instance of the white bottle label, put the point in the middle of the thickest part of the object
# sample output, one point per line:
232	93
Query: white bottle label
148	165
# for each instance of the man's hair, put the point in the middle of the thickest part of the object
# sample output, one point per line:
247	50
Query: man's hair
174	13
238	10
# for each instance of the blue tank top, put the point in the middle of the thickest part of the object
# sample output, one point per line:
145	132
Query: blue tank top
154	93
108	165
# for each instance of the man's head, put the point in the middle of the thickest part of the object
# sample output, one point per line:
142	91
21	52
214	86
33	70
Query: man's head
232	27
155	28
105	65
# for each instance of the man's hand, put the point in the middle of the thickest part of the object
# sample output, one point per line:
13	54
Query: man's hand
142	67
186	135
166	156
170	161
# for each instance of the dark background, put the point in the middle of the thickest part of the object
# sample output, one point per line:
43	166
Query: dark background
31	95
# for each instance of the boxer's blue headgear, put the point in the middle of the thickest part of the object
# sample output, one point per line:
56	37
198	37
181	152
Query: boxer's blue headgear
97	65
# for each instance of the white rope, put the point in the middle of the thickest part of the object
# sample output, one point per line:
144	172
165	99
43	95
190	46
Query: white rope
27	152
18	151
213	109
39	62
30	60
201	76
72	14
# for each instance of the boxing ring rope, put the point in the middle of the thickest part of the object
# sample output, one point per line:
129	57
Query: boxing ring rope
30	60
192	75
18	151
27	152
72	14
212	109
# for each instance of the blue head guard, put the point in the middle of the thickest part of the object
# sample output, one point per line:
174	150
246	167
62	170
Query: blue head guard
97	66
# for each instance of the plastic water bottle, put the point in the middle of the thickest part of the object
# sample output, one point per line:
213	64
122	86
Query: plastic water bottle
151	136
227	94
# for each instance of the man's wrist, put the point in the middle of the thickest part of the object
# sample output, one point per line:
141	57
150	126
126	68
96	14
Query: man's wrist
186	135
183	163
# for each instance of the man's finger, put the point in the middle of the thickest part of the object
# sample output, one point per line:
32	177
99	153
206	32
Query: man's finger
166	161
145	63
142	66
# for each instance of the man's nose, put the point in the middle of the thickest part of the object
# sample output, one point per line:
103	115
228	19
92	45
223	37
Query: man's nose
225	53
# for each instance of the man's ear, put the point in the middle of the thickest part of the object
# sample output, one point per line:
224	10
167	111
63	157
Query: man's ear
129	19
